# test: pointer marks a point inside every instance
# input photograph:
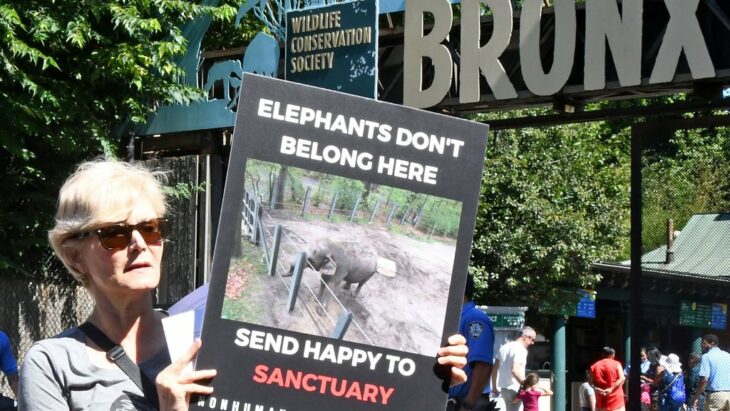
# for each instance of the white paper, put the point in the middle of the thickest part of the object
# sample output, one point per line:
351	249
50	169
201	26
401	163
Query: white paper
179	333
185	323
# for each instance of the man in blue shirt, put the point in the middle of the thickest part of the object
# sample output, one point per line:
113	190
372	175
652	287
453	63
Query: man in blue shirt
10	368
477	328
714	376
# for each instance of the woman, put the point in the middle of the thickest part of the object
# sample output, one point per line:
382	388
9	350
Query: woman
646	380
669	383
109	234
653	355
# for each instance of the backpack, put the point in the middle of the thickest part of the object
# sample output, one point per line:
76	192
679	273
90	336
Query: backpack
677	393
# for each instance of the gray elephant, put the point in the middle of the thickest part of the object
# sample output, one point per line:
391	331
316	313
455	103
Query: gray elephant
231	73
338	262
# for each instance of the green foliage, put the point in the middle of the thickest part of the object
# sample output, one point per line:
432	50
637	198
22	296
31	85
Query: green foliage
395	196
223	35
348	191
553	201
441	217
686	175
182	190
72	73
296	188
260	177
322	195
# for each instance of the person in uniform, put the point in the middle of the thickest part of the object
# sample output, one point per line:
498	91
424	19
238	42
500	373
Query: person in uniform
477	328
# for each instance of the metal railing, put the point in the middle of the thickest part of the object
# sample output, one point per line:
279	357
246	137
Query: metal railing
277	243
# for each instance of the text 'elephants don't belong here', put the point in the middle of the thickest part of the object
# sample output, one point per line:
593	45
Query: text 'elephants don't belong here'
361	128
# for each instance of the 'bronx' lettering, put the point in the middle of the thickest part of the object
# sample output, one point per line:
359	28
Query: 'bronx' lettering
604	25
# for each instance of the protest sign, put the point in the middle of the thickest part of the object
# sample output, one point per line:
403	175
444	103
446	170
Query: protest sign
375	206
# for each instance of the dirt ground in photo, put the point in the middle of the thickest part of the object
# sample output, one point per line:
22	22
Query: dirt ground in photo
404	312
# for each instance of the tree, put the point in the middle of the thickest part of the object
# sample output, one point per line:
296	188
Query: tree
74	75
553	201
684	174
280	188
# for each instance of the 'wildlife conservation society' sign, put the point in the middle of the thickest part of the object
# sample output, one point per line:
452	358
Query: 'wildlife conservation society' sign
334	47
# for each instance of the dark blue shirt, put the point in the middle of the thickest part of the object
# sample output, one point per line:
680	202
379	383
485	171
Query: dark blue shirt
477	328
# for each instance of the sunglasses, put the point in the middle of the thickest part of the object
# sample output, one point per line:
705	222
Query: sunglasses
118	236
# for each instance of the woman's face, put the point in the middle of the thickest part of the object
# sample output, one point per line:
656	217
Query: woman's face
132	269
643	355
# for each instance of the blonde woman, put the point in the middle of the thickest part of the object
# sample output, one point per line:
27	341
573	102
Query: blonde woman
110	233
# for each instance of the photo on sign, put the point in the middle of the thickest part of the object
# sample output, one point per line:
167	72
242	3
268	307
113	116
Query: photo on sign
378	261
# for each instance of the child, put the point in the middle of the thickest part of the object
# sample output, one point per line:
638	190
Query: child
530	393
587	395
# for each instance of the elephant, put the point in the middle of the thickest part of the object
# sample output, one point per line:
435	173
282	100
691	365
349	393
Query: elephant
338	262
231	73
262	56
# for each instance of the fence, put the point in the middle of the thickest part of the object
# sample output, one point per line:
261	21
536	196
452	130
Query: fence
681	201
180	263
33	310
419	215
277	244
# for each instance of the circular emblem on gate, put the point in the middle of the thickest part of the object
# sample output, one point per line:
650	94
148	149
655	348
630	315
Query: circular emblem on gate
475	329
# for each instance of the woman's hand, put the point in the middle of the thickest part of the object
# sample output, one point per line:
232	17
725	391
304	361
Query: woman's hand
175	384
454	355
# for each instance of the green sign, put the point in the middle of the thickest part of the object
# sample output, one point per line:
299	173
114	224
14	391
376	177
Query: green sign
334	47
515	321
703	315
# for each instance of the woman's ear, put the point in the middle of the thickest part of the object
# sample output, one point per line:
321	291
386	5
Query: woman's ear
72	255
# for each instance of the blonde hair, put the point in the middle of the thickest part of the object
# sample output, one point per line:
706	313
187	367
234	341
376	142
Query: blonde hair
97	193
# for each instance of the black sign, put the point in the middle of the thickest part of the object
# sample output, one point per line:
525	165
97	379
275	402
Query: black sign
370	196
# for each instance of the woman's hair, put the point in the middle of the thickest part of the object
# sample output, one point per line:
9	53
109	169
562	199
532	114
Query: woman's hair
654	355
101	192
531	380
